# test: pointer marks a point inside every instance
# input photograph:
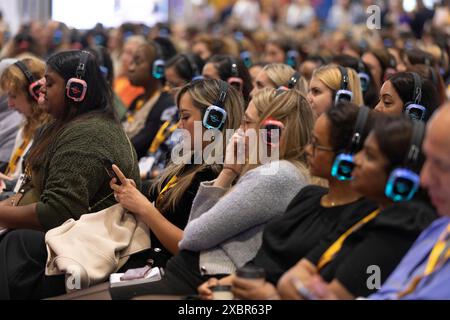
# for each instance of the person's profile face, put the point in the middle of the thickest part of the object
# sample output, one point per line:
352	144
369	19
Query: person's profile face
320	96
319	151
390	102
274	54
54	92
139	72
189	114
369	175
435	175
262	81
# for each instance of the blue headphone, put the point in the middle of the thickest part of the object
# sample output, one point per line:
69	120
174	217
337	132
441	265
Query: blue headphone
404	182
414	109
245	55
159	65
344	163
216	116
344	94
292	58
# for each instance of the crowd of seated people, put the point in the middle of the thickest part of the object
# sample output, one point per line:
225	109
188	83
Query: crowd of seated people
314	155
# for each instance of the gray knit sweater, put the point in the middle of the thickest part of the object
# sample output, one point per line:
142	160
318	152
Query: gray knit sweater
226	226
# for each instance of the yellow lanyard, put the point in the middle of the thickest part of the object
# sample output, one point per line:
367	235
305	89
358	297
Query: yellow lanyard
164	132
16	157
172	183
139	105
330	254
438	256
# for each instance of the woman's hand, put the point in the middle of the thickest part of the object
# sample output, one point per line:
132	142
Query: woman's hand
245	289
3	178
236	152
129	197
320	289
294	284
205	292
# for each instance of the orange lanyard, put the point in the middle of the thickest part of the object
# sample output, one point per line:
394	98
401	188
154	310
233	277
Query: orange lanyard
172	183
332	251
438	256
16	156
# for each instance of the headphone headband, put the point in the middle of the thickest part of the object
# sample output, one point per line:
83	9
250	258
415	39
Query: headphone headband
234	67
416	143
345	80
27	73
417	98
360	126
223	87
81	69
294	80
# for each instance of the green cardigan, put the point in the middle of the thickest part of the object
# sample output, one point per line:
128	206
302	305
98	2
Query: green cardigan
73	180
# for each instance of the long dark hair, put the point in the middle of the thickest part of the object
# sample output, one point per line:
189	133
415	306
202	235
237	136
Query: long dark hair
98	101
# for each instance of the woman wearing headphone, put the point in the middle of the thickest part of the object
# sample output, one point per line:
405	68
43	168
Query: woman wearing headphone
65	176
409	93
226	221
182	69
164	206
315	212
278	75
229	69
333	84
360	258
152	109
21	83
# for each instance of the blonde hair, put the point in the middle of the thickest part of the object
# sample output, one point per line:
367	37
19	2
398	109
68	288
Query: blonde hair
203	93
331	76
13	81
293	110
280	74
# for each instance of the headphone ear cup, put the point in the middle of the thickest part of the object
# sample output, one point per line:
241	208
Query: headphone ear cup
159	69
76	89
402	185
343	167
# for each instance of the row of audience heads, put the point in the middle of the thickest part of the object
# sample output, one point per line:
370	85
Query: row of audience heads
292	108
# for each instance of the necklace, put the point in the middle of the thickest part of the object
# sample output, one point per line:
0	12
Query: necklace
327	203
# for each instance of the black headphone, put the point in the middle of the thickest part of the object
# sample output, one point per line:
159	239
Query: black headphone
364	76
76	88
291	83
196	75
216	116
235	80
344	94
34	86
413	108
159	65
404	182
344	163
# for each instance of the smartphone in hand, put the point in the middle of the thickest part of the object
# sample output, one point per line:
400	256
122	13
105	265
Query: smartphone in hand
107	164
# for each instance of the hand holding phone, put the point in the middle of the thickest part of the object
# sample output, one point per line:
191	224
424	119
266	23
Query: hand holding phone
108	164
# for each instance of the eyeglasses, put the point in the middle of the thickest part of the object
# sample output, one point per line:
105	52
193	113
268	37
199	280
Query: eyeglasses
315	146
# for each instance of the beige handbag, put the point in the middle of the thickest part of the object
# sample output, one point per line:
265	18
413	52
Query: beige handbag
97	245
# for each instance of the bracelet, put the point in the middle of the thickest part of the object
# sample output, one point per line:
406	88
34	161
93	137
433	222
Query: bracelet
232	170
